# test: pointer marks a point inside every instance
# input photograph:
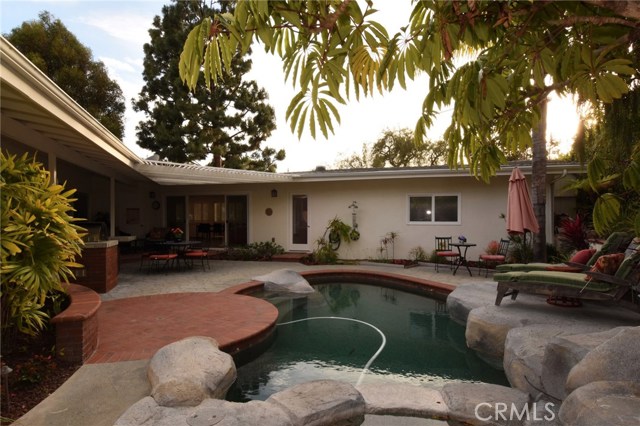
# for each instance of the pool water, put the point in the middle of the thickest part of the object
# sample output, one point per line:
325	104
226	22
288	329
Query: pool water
424	346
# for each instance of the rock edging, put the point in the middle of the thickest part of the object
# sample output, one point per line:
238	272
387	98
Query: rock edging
557	353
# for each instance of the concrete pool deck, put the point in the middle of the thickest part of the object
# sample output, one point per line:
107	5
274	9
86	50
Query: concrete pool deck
101	390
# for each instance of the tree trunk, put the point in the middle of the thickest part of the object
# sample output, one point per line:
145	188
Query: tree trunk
538	183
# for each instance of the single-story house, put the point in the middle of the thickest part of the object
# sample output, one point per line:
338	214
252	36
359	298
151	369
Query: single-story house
235	207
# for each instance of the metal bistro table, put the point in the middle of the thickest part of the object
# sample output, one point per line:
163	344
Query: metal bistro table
462	260
180	248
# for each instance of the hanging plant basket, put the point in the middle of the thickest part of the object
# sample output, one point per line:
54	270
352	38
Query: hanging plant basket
354	235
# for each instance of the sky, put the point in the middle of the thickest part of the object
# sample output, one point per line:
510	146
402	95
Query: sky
116	31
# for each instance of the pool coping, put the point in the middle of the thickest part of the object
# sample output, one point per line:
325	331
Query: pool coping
379	278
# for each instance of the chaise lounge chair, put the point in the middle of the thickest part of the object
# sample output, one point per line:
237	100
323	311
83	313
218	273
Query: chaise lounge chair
589	285
616	243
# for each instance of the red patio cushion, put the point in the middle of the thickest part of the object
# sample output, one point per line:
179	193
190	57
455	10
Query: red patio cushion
563	268
582	256
608	264
198	253
447	253
163	256
492	257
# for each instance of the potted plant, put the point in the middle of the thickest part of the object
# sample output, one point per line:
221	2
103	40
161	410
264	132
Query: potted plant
177	233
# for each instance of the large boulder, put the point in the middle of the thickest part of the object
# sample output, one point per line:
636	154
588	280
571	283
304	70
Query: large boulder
603	403
285	281
524	354
466	297
321	402
400	399
563	352
224	413
487	326
147	412
485	404
186	372
616	359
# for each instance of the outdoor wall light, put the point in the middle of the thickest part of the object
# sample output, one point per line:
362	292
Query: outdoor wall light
274	193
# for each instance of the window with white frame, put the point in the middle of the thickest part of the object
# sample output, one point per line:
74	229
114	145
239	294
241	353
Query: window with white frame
433	208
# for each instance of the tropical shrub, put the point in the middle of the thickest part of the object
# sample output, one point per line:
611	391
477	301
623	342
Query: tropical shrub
324	252
418	254
572	234
492	247
327	246
255	251
39	242
520	251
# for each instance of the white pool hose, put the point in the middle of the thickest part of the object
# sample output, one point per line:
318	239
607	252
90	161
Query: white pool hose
375	355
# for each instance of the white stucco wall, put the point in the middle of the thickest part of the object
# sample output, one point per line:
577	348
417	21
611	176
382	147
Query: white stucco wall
383	207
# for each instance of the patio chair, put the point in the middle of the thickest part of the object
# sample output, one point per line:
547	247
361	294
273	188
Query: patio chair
443	250
201	254
499	257
616	243
161	261
203	230
589	285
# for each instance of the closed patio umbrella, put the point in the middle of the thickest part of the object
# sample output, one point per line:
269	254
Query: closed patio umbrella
520	216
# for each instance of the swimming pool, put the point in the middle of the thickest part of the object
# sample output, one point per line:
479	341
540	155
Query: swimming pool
423	345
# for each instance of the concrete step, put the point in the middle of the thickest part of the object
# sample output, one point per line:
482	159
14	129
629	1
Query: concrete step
290	257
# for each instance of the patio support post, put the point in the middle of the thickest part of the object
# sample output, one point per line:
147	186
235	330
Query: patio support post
53	168
112	206
550	212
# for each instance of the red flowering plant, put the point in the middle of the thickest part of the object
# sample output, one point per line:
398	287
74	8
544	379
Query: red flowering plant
492	247
177	232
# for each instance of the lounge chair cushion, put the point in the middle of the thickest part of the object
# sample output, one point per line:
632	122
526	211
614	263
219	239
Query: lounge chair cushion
608	263
629	269
564	268
523	267
616	243
569	279
582	256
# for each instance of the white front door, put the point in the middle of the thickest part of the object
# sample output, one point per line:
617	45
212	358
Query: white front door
299	223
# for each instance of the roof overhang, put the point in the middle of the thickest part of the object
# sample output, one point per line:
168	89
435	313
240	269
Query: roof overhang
166	173
37	113
553	168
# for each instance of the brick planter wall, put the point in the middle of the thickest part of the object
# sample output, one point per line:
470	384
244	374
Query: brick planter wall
77	326
100	261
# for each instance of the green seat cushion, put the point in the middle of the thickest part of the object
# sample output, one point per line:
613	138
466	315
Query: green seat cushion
566	279
524	267
616	243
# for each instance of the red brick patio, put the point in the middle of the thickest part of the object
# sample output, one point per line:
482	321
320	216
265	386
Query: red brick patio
135	328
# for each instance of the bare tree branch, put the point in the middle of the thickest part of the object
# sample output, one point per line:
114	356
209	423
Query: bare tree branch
629	8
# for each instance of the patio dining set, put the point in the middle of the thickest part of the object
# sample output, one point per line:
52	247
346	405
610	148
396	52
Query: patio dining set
456	254
177	255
